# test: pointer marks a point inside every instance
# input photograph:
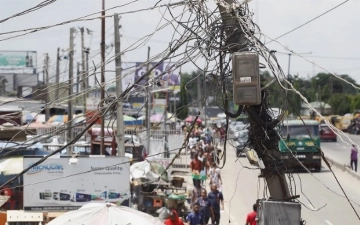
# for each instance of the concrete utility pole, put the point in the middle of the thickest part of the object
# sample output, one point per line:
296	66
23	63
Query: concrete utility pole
236	42
71	86
87	52
236	39
148	105
119	110
83	69
166	148
57	76
47	109
102	94
198	84
77	77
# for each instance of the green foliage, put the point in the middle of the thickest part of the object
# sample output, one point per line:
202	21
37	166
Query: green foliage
340	103
341	96
323	87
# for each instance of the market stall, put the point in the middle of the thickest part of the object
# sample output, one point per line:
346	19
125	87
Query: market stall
152	189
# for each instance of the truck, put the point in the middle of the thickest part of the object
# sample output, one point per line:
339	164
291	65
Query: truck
300	142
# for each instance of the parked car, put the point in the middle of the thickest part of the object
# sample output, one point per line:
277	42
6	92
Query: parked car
326	134
237	130
241	142
233	125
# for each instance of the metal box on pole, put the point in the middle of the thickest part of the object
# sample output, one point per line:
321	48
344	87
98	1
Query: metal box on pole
246	78
278	213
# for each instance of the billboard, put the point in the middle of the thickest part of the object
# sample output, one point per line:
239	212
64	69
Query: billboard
18	59
58	185
134	70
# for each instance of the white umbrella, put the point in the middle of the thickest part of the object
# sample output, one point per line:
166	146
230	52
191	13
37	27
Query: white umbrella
105	214
11	166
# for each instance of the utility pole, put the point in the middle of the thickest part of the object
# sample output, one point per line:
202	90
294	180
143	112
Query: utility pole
276	180
166	118
198	84
47	109
71	86
57	77
148	105
87	52
102	94
77	77
119	110
288	75
83	69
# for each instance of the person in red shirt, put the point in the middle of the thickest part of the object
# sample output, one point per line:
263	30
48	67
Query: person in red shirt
251	217
196	166
173	219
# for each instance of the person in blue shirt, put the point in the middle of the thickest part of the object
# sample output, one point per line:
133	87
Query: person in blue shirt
205	207
195	217
216	198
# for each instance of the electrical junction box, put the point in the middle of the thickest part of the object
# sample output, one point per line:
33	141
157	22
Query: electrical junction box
246	78
278	213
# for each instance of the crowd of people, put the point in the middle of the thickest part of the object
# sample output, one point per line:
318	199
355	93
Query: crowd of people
207	199
204	154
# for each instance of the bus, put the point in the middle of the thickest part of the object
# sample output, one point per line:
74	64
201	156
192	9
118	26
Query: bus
300	142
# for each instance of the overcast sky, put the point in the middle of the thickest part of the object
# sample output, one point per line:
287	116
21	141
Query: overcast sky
334	35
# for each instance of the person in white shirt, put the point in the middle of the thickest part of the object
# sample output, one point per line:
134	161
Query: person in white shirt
215	176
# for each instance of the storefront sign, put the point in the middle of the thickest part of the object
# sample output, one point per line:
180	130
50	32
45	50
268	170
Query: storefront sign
61	184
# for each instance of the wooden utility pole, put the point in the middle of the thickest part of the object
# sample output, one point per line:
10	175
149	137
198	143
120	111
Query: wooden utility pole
148	105
71	86
57	76
83	69
119	110
102	94
47	107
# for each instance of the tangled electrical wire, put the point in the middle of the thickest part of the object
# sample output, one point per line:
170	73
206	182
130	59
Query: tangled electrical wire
200	33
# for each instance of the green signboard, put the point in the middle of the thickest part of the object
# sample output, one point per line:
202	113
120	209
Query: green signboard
17	59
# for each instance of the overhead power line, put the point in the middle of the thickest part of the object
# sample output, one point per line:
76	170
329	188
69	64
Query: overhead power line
308	22
39	6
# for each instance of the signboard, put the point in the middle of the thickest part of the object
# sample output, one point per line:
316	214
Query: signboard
132	71
58	185
18	59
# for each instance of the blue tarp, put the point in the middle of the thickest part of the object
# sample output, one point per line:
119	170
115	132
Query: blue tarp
133	123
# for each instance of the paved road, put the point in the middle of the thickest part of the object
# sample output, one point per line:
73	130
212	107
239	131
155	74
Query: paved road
241	190
340	151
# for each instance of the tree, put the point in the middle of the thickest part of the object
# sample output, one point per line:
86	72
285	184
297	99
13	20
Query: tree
340	103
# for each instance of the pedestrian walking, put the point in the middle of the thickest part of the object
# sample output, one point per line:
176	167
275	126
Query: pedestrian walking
354	158
173	219
195	217
205	207
215	177
251	218
196	193
196	166
216	199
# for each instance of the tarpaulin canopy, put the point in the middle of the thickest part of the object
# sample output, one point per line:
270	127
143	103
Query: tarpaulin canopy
148	171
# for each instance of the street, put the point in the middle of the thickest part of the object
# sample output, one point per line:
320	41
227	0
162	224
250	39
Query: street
241	189
339	151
